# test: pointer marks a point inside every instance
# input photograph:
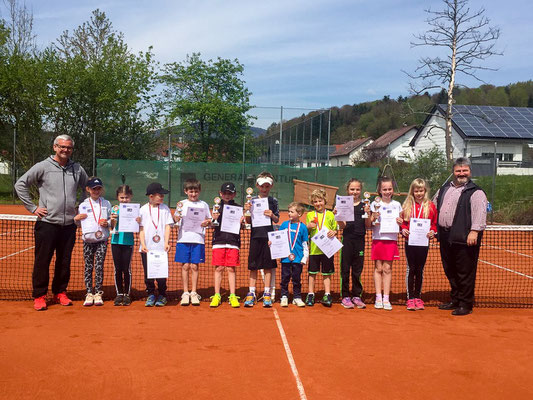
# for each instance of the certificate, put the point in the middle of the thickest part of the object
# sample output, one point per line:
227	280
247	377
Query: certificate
259	206
279	247
89	224
128	214
418	230
231	219
329	246
387	217
344	206
157	264
193	218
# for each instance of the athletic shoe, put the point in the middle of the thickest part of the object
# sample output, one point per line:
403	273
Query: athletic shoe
119	300
411	305
195	299
419	304
358	302
378	305
250	300
126	301
150	301
216	299
298	302
347	302
161	301
267	300
40	303
234	301
89	300
387	305
185	299
310	300
98	301
326	300
284	301
62	299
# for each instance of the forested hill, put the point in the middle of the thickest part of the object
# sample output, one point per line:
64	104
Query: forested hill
372	119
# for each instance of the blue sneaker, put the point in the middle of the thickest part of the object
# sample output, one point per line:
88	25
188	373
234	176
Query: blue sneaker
267	300
161	301
150	301
250	300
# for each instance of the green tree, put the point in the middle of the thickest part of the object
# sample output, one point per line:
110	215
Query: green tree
209	100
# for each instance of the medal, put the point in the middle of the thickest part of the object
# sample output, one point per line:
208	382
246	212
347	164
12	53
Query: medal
292	243
156	238
98	234
292	257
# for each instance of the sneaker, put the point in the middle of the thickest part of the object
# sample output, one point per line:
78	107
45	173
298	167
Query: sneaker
250	300
40	303
358	302
284	301
195	299
267	300
310	300
347	303
126	301
298	302
161	301
411	305
326	300
234	301
185	299
387	305
378	304
98	301
419	304
89	300
216	299
62	299
150	301
119	300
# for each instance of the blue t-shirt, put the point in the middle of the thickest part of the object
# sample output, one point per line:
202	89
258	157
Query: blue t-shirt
303	236
125	238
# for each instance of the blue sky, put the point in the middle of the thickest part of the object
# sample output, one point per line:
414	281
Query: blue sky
302	54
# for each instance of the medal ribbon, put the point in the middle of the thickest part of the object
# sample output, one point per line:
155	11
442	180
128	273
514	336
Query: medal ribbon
292	244
323	219
150	209
100	214
419	210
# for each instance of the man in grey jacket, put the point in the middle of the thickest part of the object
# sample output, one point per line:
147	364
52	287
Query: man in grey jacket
57	179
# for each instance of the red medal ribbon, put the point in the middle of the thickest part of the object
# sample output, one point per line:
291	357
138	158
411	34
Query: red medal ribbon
100	214
295	236
323	219
150	210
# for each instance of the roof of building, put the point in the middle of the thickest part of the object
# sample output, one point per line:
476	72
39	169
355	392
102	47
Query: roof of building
389	137
346	148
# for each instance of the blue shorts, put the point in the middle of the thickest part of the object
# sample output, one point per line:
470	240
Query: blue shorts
190	253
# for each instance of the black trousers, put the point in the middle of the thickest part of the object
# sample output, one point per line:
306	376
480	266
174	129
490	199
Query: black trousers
122	260
50	238
460	266
416	260
291	271
353	258
150	283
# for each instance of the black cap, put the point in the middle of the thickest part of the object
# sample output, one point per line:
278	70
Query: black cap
95	182
228	187
154	188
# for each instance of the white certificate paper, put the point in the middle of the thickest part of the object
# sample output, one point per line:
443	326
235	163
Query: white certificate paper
88	225
259	206
329	246
279	248
157	264
192	220
388	215
128	213
231	219
418	230
344	206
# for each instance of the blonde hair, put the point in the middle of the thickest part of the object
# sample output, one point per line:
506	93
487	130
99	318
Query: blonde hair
318	194
298	206
409	202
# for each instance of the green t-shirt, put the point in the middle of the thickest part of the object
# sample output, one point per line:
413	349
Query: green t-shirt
329	222
125	238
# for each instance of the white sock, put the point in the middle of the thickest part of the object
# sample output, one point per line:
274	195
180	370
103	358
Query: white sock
252	289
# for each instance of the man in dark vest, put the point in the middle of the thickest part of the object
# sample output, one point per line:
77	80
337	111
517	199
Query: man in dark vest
462	215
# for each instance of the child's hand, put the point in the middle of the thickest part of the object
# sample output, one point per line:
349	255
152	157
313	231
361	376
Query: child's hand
114	217
167	248
311	225
269	243
399	220
335	210
268	213
247	206
366	208
79	217
176	218
331	234
205	223
103	222
405	233
144	249
138	219
431	234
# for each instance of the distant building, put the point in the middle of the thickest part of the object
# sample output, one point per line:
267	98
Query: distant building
348	153
393	144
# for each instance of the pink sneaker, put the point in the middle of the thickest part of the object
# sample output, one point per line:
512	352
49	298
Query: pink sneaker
358	302
62	299
347	302
411	305
40	303
419	304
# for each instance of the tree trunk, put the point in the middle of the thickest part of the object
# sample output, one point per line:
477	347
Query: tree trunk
449	112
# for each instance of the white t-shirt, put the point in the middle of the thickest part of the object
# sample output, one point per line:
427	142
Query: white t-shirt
376	235
149	221
192	237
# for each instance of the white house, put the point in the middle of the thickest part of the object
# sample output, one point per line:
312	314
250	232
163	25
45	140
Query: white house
393	144
348	153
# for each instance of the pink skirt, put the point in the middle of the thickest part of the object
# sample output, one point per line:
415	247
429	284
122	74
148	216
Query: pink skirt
386	250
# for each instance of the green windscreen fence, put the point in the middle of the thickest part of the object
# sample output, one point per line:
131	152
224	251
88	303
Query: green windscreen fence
138	174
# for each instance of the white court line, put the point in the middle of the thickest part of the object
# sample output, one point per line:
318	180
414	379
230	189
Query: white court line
508	251
10	232
18	252
507	269
294	370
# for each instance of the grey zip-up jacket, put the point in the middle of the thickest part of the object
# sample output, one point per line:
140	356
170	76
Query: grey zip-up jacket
57	189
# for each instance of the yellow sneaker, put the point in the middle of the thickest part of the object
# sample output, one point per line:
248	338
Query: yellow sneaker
234	301
215	300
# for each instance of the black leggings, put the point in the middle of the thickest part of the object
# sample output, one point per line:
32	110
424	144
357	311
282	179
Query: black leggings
353	257
416	260
122	260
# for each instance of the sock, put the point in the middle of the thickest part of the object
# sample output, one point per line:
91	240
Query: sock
252	289
325	294
386	298
267	290
378	297
311	293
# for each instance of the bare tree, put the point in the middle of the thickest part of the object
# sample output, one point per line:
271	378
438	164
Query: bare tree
21	39
466	39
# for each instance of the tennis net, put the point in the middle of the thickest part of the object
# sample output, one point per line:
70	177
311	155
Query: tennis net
504	278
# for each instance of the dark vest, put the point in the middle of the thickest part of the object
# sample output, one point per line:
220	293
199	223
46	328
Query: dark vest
462	219
220	237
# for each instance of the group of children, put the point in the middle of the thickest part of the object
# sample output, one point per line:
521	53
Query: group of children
155	221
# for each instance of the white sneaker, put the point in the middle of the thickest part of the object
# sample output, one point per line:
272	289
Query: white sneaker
195	299
284	301
298	302
89	300
378	305
185	299
98	299
387	305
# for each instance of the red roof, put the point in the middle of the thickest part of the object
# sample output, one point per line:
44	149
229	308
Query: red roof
389	137
348	147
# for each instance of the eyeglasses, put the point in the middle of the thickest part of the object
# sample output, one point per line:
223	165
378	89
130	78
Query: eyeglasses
70	148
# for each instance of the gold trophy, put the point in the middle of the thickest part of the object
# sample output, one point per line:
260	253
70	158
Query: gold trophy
114	212
377	205
179	210
366	202
249	193
216	209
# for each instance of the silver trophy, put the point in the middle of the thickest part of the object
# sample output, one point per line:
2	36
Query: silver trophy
377	205
179	210
249	193
114	211
366	202
216	209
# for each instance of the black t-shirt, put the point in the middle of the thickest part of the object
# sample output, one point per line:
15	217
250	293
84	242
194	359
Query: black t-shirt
262	231
357	227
